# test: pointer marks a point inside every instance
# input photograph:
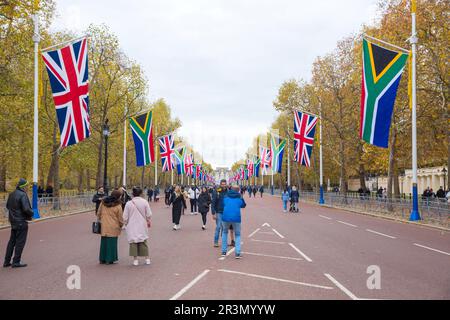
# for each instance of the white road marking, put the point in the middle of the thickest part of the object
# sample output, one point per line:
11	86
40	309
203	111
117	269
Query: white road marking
340	286
230	252
422	246
381	234
325	217
278	242
349	224
266	224
190	285
279	234
276	279
271	256
251	234
301	253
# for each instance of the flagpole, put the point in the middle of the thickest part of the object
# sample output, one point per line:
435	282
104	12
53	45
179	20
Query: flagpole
271	187
321	199
36	39
156	164
288	163
125	148
171	177
413	40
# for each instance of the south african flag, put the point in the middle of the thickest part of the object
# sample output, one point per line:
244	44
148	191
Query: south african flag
381	73
141	127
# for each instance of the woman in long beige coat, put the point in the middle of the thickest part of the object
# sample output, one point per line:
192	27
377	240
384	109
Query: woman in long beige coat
110	215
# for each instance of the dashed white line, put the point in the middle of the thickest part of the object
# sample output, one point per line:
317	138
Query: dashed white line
422	246
348	224
277	242
301	253
251	234
381	234
270	256
279	234
276	279
266	224
340	286
190	285
325	217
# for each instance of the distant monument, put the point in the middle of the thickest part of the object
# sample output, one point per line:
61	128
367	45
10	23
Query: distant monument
221	173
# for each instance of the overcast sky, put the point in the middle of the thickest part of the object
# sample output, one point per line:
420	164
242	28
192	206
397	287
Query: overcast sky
219	63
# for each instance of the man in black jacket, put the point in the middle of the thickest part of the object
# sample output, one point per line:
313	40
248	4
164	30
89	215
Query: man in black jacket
98	197
19	213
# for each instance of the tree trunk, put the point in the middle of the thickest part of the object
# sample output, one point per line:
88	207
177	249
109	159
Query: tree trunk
343	172
142	176
80	181
391	164
88	180
56	186
2	177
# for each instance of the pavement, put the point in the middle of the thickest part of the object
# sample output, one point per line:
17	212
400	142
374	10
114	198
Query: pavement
319	253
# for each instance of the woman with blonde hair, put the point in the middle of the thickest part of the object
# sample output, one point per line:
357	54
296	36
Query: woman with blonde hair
178	204
136	217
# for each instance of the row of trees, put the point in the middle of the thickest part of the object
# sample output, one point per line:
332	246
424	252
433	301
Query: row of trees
118	88
335	88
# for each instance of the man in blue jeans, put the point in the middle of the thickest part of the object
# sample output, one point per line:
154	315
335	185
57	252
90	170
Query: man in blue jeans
217	208
232	204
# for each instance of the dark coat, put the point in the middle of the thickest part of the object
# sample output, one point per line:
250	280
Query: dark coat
177	202
217	200
97	199
294	196
204	200
19	207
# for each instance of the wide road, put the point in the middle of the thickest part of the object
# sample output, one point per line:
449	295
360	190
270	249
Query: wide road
319	253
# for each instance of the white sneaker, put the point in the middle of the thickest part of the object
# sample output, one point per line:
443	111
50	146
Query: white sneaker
174	227
178	227
203	227
147	261
135	262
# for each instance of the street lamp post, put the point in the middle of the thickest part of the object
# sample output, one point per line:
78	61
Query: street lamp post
106	134
445	177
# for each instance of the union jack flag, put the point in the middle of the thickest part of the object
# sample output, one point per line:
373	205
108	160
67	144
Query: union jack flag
188	164
250	167
304	129
166	151
266	159
67	69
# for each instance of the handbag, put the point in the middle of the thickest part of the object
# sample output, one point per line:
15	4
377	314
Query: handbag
143	215
96	227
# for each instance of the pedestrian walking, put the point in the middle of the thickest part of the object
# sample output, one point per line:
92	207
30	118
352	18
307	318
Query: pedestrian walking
156	194
255	190
111	219
125	197
98	197
249	190
285	199
261	190
231	216
204	201
217	208
193	196
150	194
19	213
178	203
294	199
137	220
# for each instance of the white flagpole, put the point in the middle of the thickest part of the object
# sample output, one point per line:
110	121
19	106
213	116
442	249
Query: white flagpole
413	40
36	39
321	199
288	163
171	176
125	148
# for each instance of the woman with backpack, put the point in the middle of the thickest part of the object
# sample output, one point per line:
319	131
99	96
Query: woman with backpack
136	218
285	199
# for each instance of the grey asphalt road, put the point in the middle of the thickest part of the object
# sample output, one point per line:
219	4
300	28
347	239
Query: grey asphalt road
319	253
